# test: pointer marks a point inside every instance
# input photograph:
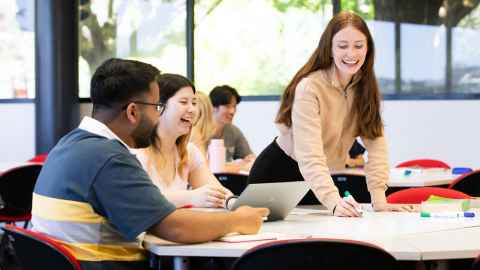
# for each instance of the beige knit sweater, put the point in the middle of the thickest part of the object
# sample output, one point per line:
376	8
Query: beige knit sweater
322	132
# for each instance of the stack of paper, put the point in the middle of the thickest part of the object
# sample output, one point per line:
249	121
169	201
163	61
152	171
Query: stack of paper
441	204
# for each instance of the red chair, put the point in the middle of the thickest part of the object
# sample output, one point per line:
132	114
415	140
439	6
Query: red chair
38	251
420	194
39	158
468	183
16	191
424	163
316	253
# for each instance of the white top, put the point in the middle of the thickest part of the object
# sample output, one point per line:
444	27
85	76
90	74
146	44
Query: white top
180	182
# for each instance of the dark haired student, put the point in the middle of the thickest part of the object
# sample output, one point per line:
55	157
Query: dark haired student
225	99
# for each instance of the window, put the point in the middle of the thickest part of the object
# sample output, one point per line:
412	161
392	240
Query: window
255	46
147	30
424	48
17	49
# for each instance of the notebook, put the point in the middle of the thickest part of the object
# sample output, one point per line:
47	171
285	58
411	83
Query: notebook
280	197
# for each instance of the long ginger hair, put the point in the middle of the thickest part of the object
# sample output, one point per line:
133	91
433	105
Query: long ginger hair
366	106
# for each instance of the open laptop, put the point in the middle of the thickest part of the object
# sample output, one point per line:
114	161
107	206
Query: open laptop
280	197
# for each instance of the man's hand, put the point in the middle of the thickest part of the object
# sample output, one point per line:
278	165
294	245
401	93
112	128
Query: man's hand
248	220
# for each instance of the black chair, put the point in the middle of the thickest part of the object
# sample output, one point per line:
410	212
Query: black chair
236	183
476	264
16	191
468	183
37	251
316	253
355	184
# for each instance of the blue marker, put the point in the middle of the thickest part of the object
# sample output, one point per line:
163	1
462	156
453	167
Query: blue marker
447	214
407	172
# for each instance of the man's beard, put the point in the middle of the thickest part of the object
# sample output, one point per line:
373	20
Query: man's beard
144	133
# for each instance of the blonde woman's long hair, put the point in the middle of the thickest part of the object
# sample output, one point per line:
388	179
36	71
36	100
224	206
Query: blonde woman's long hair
169	85
204	126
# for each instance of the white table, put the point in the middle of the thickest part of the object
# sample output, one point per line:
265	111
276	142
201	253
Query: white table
422	180
418	178
406	236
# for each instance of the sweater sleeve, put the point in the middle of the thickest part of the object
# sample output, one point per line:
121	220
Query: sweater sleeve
377	169
308	144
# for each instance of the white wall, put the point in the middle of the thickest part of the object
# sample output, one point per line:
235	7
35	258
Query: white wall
446	130
17	136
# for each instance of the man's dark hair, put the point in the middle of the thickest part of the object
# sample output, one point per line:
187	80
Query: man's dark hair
222	95
118	81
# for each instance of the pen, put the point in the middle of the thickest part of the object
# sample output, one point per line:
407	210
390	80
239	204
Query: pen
447	214
348	195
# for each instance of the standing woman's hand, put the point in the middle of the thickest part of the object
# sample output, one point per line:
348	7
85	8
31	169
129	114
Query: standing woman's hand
347	207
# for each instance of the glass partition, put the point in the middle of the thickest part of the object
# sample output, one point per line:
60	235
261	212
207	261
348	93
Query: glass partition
423	48
147	30
255	46
17	49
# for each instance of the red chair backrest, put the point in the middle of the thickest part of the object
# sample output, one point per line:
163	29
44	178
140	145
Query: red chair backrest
39	158
37	251
420	194
424	163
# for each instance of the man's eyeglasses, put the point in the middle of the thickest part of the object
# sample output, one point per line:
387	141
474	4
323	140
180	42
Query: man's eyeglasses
160	107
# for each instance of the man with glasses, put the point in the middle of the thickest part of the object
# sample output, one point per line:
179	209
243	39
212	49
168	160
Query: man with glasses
92	193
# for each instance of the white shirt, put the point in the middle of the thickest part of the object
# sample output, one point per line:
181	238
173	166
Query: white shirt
180	181
98	128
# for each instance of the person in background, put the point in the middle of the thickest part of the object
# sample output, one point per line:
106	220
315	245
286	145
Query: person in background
355	156
93	195
204	125
330	101
225	100
177	167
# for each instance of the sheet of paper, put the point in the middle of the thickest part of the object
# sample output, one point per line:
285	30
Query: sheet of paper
238	238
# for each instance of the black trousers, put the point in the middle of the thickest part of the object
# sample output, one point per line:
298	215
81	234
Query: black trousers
273	165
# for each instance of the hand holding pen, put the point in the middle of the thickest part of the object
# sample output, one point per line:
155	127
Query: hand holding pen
348	207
